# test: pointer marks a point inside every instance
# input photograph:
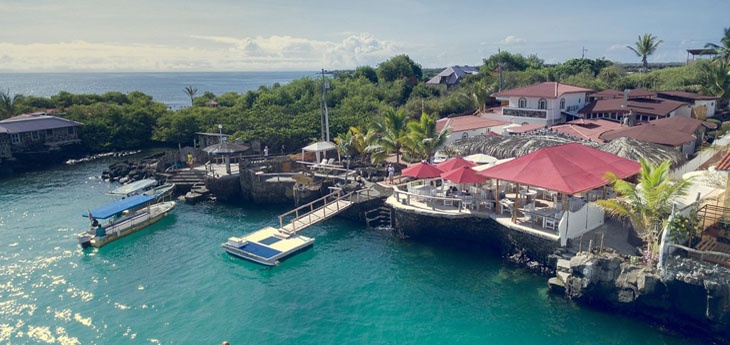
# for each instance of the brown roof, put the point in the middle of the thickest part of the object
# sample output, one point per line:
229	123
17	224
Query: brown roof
659	132
724	163
548	89
586	129
465	123
682	124
633	93
648	106
687	95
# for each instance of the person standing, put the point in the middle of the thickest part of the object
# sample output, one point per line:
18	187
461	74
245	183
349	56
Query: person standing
190	160
283	149
391	173
266	151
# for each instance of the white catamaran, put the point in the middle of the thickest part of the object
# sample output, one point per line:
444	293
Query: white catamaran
122	218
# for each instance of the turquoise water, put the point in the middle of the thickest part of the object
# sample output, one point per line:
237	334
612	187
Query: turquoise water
173	284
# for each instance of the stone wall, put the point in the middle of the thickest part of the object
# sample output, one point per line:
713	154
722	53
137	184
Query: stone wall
484	232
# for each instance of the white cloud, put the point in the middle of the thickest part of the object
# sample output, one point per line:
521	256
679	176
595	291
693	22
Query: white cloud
209	53
513	40
619	47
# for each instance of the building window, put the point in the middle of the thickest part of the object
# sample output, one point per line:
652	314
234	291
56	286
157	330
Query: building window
35	135
15	138
71	130
562	103
465	135
522	103
49	133
542	104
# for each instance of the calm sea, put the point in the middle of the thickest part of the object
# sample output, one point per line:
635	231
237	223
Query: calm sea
173	284
165	87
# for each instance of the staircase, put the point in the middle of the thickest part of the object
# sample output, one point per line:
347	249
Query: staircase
185	179
380	217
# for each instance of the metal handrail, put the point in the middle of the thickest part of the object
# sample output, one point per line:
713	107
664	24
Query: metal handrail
298	216
702	253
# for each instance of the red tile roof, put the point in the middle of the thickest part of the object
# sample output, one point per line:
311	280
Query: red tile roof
688	95
584	129
724	163
615	94
657	132
545	90
465	123
648	106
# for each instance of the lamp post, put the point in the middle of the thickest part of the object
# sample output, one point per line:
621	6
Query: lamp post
347	171
225	154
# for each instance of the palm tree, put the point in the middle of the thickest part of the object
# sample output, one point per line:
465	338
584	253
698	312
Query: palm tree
715	79
723	49
645	46
647	204
423	140
392	131
191	91
7	104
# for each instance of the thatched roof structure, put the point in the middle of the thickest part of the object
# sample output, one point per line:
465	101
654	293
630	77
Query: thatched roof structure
633	149
501	147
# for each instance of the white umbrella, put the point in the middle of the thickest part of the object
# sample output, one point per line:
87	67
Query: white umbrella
480	158
487	166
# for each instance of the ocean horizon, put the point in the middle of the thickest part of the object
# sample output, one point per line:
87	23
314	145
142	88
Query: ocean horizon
165	87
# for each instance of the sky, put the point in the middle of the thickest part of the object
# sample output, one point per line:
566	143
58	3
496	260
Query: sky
289	35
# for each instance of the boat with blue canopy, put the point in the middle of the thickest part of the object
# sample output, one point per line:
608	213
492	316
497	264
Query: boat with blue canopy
122	218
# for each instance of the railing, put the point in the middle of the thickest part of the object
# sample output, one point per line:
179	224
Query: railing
334	198
701	253
125	223
405	198
533	113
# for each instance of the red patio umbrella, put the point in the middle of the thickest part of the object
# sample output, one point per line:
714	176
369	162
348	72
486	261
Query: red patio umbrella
463	174
453	163
422	170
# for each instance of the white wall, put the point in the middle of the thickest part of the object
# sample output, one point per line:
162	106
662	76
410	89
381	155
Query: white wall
574	224
553	105
709	104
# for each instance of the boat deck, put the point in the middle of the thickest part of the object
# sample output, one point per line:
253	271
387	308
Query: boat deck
266	246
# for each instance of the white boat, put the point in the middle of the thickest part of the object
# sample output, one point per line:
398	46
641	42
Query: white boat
134	188
162	192
123	217
146	186
267	246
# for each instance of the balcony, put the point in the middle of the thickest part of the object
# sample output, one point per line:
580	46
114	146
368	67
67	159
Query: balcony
521	112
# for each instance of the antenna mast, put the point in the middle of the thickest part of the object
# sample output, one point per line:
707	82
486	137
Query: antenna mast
325	113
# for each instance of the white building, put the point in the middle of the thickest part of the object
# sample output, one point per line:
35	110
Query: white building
699	103
462	127
545	103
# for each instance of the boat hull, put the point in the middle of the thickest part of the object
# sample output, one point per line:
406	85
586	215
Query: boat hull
126	226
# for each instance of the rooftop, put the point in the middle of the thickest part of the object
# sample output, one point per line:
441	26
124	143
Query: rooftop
649	106
545	90
35	122
586	129
673	131
465	123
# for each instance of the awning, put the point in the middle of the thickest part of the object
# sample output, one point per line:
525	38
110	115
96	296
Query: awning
120	206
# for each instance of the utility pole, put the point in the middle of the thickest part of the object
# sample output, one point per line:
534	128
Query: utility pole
583	53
